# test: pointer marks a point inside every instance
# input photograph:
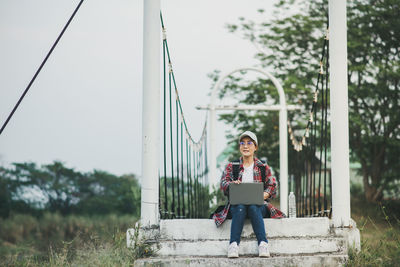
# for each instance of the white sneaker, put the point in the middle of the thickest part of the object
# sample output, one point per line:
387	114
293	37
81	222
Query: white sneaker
233	250
263	250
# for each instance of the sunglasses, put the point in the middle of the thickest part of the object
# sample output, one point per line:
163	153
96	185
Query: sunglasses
249	143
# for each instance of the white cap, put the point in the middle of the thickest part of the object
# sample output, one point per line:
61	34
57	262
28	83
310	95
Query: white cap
249	134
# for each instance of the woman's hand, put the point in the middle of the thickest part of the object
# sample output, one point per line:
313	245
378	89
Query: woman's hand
266	195
237	182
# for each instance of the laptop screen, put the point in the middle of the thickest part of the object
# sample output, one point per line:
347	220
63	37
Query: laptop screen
246	194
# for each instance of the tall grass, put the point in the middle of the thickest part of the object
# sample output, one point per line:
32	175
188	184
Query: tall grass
380	234
54	240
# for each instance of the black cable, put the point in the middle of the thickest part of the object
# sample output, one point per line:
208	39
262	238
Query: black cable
311	157
182	182
314	158
321	145
200	183
177	159
189	191
40	68
326	130
188	180
172	147
192	181
196	207
206	171
306	167
165	134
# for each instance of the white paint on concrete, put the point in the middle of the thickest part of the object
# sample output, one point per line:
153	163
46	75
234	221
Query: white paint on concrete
297	236
250	247
202	229
326	260
351	234
151	113
339	113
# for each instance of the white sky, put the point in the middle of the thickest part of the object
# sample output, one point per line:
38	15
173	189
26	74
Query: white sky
85	107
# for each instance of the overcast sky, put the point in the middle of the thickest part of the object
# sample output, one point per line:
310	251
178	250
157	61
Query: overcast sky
85	107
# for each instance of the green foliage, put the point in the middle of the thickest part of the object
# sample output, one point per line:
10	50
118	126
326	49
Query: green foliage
5	196
292	47
54	240
111	193
28	188
385	252
374	76
141	248
356	189
220	198
193	200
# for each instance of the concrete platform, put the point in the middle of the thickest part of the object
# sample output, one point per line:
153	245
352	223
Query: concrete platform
206	229
293	242
249	247
278	261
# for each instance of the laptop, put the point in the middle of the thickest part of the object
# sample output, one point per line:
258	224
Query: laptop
246	194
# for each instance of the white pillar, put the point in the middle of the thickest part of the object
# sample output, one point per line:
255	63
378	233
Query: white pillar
151	112
339	113
283	159
213	179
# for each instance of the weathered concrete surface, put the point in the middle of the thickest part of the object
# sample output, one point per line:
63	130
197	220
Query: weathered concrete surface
301	261
198	242
351	234
205	229
249	247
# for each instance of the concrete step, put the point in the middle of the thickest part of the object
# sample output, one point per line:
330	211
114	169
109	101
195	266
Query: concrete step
248	247
295	237
299	260
205	229
198	229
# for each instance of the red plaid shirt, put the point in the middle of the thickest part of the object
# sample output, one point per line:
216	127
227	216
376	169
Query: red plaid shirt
270	186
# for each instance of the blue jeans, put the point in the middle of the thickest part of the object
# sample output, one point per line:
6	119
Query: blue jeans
255	213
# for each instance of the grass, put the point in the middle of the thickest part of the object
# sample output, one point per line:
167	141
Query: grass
380	233
54	240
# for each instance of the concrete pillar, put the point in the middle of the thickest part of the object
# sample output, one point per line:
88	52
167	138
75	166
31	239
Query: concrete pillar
213	177
283	157
151	112
339	113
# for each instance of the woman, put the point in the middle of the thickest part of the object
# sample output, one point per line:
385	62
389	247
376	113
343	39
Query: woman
250	170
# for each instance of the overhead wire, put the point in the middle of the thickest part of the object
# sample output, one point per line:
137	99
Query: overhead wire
40	67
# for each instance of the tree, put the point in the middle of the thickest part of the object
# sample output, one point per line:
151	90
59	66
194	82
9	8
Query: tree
102	193
291	48
5	195
52	186
374	76
28	188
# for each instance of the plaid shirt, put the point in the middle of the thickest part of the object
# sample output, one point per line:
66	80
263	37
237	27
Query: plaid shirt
270	187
